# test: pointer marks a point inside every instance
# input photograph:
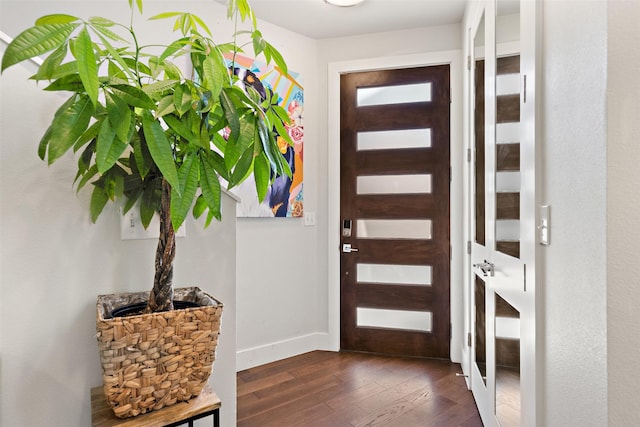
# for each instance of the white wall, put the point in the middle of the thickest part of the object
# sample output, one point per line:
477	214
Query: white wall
280	275
54	261
623	211
574	383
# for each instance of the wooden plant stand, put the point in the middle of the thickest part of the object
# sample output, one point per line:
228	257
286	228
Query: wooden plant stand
206	404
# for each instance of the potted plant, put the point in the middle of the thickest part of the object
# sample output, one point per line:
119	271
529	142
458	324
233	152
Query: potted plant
160	139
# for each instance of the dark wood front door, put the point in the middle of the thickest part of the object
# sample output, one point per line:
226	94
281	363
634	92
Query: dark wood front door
394	206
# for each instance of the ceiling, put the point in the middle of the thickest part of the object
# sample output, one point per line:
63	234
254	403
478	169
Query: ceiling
318	20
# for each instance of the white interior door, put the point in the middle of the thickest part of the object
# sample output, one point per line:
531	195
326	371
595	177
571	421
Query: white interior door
479	225
503	200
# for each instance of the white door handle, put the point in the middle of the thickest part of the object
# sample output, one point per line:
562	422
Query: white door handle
486	268
347	249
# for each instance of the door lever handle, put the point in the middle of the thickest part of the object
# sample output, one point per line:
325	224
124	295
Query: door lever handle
346	248
486	268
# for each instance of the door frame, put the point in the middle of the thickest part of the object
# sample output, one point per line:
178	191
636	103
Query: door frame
335	69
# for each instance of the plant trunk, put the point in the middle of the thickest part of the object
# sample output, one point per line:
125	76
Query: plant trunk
161	296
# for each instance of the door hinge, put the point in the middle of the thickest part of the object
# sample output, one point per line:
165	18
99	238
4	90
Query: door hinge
524	90
468	339
468	247
450	252
450	174
469	62
450	331
468	155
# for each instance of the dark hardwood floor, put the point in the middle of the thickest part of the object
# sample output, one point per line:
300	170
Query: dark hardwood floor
353	389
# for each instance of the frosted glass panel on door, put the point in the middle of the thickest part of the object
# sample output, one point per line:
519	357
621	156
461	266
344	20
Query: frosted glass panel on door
508	84
394	229
399	94
394	274
394	184
508	327
508	230
507	133
508	182
394	139
395	319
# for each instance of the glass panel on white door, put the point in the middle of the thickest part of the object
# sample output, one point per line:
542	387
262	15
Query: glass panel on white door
397	94
507	347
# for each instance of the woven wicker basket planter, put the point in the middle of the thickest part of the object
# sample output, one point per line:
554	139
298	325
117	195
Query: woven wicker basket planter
150	361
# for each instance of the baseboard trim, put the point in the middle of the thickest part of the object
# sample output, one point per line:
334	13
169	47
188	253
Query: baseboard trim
279	350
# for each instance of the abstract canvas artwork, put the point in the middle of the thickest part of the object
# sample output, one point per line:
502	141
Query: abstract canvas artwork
285	195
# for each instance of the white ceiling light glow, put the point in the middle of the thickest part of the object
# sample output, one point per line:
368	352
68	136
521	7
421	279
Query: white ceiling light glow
343	3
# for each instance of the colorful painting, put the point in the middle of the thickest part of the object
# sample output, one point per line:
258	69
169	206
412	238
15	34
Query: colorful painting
285	196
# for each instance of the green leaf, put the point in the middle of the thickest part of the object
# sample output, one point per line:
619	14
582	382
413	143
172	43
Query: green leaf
159	87
267	139
86	177
119	115
87	66
210	184
51	63
262	175
218	163
44	142
102	22
242	169
84	160
71	82
166	15
165	106
99	199
244	9
160	149
182	199
109	147
116	55
171	71
65	69
281	113
182	99
258	42
143	160
68	126
174	47
88	135
35	41
59	18
282	131
199	207
230	113
213	78
150	201
102	29
202	24
179	127
133	96
272	52
132	196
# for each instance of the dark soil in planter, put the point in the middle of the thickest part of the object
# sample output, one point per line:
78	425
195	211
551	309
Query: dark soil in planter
137	308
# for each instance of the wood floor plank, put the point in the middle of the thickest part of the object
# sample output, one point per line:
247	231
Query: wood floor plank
354	389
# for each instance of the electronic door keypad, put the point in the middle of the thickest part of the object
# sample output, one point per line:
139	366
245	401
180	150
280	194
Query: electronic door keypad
346	228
